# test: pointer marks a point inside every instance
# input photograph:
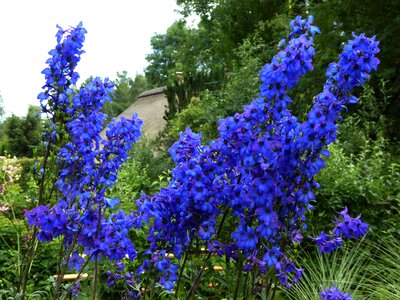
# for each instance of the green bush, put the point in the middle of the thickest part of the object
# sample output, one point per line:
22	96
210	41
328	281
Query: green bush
366	183
145	171
363	170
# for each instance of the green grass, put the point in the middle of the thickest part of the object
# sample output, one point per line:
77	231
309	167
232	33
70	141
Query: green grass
347	268
384	271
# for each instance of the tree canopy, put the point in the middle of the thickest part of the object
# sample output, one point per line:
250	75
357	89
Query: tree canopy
233	36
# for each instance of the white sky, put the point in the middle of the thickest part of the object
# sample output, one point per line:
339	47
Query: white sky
118	39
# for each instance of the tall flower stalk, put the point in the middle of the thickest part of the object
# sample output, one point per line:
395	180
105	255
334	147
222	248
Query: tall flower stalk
77	210
262	168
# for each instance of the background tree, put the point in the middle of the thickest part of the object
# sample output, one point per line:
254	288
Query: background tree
20	135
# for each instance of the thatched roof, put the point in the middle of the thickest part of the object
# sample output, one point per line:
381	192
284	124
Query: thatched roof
150	107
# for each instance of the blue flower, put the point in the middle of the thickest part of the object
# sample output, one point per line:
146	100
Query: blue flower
272	256
350	227
327	243
87	165
246	238
334	294
75	261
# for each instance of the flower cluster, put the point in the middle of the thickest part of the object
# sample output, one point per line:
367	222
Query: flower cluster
261	169
87	163
75	288
60	74
350	227
128	278
346	227
334	294
328	243
9	173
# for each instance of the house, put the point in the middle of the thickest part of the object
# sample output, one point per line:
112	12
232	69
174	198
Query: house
150	107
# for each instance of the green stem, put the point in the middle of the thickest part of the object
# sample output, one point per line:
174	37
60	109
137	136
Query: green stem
181	273
13	222
273	292
268	289
26	266
238	279
96	263
245	285
95	273
198	276
60	273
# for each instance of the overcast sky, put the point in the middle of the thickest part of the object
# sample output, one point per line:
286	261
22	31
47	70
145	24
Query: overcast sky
118	39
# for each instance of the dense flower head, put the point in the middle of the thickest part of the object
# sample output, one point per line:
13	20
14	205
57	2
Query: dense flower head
334	294
186	147
261	169
75	261
60	74
10	172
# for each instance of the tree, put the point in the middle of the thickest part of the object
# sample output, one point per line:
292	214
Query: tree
228	23
167	53
1	108
20	135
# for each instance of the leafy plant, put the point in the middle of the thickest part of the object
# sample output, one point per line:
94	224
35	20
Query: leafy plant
366	182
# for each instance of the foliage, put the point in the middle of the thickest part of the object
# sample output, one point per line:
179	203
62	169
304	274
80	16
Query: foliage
165	49
367	269
366	183
229	23
238	88
371	120
182	62
339	18
14	233
1	108
27	180
182	53
143	172
201	115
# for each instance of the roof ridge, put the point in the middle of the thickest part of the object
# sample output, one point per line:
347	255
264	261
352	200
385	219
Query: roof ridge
154	91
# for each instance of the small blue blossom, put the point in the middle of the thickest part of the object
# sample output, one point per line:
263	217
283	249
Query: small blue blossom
327	243
334	294
75	289
350	227
75	261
